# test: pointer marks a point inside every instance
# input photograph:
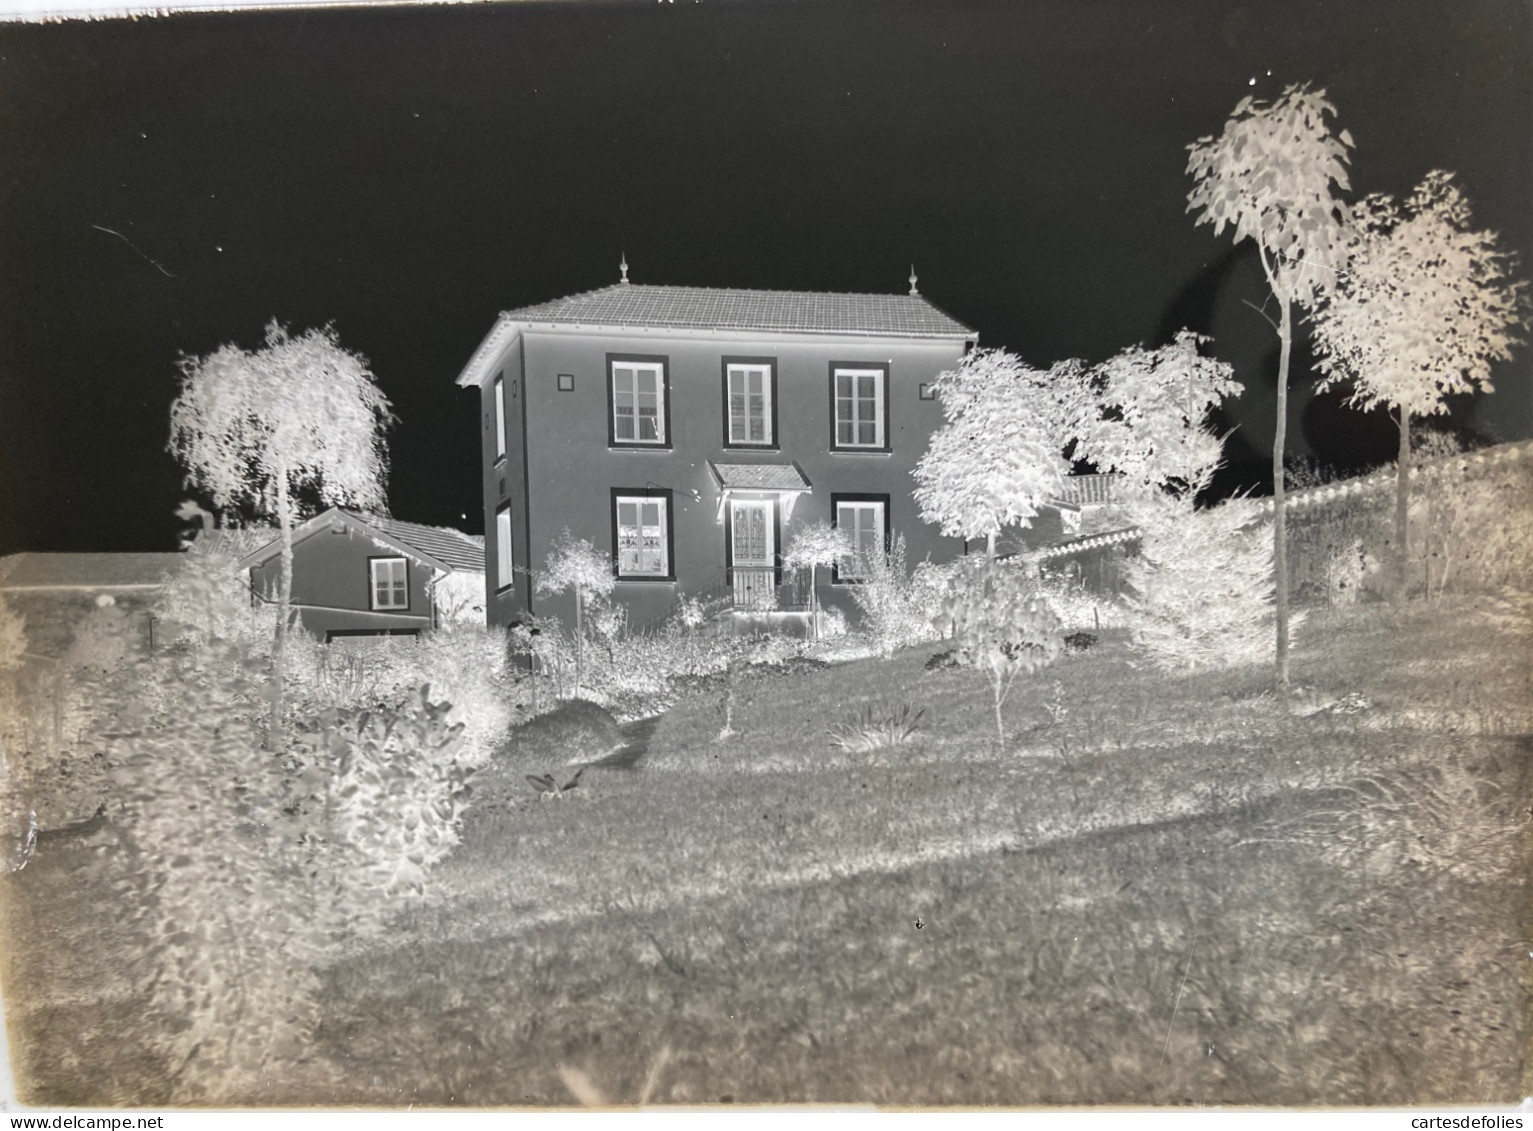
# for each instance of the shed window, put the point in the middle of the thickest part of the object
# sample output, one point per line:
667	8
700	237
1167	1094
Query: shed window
390	583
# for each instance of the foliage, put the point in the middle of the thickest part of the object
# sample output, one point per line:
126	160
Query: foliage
896	603
1268	176
1000	625
1425	306
302	411
877	728
396	786
459	596
466	663
1148	416
815	544
1203	586
301	414
577	730
1000	455
207	599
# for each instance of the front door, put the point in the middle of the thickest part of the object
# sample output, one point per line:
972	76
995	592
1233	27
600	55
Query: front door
753	552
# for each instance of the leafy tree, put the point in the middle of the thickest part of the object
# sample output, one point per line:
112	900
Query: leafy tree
1148	420
576	565
252	428
1000	456
1424	308
814	545
1001	625
1269	177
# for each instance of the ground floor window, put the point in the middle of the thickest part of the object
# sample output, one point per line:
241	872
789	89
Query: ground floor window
503	563
642	534
864	519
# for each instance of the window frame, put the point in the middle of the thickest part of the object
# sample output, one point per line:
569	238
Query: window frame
855	498
642	495
372	583
505	559
881	369
663	417
771	443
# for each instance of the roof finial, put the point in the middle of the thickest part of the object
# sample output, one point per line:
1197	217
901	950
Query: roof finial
623	267
913	280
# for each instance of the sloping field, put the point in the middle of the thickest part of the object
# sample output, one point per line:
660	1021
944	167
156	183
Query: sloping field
1161	890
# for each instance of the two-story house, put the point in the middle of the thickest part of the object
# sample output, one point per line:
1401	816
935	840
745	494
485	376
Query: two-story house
687	431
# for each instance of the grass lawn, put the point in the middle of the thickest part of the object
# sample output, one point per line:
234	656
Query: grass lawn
1158	890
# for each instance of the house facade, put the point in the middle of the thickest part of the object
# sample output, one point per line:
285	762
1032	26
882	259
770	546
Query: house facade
365	575
686	432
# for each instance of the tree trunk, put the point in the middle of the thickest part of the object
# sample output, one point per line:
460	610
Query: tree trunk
274	735
1000	729
1402	508
990	546
1279	493
580	642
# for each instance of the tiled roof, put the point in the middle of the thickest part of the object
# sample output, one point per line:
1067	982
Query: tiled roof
86	571
448	546
760	476
708	308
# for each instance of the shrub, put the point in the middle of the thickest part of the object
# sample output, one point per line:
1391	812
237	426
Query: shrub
1203	588
877	728
1000	625
895	603
395	789
577	730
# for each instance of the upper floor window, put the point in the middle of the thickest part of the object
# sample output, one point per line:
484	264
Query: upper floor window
639	401
500	418
864	519
390	583
642	534
749	403
859	407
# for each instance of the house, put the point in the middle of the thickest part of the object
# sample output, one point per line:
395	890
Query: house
363	575
687	431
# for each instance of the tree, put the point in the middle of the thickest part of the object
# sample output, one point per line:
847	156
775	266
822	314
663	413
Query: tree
1269	176
254	428
575	564
1148	417
1424	307
1000	456
812	546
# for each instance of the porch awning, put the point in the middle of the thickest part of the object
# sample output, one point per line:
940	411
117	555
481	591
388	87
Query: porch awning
780	477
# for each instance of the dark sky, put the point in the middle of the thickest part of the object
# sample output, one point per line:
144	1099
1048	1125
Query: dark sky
408	173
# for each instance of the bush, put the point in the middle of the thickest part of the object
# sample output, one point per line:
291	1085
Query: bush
577	730
1000	625
896	604
396	785
1203	587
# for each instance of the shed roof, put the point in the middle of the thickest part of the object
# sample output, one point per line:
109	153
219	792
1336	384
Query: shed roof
86	571
450	547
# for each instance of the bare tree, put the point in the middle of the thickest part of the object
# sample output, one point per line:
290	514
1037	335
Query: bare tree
1269	176
1000	456
254	427
1424	308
